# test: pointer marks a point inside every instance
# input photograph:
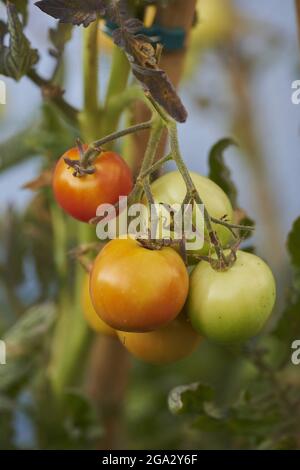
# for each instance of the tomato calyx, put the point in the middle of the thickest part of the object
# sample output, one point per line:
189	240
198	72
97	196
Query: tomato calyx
81	167
217	264
79	170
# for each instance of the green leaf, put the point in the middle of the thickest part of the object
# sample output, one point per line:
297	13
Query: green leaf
190	398
14	374
18	148
288	328
81	421
22	7
29	332
219	172
293	244
18	58
209	424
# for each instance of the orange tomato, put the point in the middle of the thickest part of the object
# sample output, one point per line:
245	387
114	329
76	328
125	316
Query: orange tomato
93	320
168	344
136	289
80	196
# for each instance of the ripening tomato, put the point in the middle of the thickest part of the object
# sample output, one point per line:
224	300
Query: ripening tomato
80	196
167	344
93	320
136	289
231	306
171	189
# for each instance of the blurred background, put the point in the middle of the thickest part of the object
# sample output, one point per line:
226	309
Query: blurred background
241	61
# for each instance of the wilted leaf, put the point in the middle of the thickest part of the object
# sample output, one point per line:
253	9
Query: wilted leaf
77	12
218	170
42	181
142	55
18	58
190	398
29	332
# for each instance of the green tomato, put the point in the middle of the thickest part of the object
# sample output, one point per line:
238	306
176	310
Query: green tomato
171	189
231	306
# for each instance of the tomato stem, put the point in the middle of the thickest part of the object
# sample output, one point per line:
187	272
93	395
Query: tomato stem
94	148
193	193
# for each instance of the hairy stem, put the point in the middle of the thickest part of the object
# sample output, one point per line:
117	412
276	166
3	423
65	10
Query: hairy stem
89	117
192	191
94	148
116	86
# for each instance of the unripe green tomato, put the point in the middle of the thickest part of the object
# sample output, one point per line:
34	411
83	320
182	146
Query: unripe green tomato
171	189
231	306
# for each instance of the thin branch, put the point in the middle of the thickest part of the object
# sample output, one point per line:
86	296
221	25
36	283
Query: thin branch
230	226
94	148
156	166
192	191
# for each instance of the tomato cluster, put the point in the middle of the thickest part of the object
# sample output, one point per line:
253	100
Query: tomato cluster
146	297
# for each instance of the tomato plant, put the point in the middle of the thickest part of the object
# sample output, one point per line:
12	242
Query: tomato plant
231	306
80	196
170	343
171	189
90	314
63	387
136	289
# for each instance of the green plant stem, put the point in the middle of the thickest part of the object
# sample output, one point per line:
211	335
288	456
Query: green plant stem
118	103
67	110
192	191
156	166
153	143
71	332
117	84
231	226
90	116
94	148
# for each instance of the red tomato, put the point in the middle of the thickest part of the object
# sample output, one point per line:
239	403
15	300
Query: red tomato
136	289
80	196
